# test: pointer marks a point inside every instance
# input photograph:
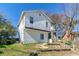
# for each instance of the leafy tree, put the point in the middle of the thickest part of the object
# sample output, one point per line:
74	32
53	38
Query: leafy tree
7	31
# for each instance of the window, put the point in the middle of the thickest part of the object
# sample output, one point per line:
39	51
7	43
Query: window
54	33
59	37
46	24
39	14
49	35
31	20
42	36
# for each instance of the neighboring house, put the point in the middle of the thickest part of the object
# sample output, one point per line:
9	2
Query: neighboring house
60	30
74	36
34	27
68	36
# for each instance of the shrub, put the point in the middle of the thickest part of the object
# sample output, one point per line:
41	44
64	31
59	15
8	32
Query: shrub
11	41
7	41
3	41
69	43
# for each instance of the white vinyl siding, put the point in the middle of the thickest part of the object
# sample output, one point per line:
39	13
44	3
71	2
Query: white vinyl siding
33	36
30	22
39	22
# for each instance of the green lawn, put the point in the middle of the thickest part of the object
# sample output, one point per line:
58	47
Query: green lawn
24	50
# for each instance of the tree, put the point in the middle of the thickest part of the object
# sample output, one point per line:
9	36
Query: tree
60	24
7	31
71	11
56	18
11	29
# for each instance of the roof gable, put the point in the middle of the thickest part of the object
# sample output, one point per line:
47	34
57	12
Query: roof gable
23	13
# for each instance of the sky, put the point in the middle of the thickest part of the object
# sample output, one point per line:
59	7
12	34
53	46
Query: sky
12	11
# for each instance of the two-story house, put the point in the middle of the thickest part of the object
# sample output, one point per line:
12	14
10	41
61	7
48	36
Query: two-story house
34	27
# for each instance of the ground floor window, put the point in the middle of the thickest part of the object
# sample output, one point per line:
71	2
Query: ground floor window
49	35
42	36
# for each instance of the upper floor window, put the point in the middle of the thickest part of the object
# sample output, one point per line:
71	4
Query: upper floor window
31	20
39	14
46	24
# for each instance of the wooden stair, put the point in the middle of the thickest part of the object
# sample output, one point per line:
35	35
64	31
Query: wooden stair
56	47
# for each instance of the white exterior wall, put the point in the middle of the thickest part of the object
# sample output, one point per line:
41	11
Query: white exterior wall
39	21
21	29
33	36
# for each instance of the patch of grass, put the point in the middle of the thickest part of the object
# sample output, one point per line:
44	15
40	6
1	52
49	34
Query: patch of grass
24	50
17	49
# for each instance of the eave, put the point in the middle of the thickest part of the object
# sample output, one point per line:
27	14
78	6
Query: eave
37	29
